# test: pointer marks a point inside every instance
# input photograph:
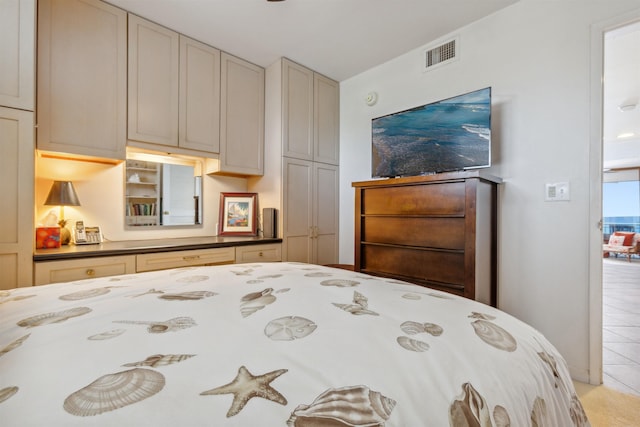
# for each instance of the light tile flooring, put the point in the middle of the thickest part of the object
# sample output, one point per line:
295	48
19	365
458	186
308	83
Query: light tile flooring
621	324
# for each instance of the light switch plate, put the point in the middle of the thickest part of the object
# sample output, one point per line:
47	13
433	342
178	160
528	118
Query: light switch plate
555	192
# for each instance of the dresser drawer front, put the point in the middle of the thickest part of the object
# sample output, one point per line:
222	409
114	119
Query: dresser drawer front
70	270
421	264
432	199
164	260
259	253
445	233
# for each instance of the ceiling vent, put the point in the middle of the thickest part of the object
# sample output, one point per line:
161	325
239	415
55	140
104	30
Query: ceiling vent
443	54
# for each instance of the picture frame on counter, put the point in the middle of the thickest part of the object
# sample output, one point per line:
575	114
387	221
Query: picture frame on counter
238	214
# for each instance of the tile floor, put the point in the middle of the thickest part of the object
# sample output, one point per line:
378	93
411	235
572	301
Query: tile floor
621	324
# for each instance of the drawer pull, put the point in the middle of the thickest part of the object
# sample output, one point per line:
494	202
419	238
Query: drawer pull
190	257
260	254
90	272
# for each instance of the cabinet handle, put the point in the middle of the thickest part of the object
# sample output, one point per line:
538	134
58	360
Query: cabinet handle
260	254
190	257
90	272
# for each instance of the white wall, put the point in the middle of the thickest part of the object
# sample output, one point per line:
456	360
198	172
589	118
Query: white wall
536	57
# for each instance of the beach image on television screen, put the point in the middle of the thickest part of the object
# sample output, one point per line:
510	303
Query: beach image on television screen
448	135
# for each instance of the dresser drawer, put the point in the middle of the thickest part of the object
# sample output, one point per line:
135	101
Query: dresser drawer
86	268
259	253
430	199
164	260
428	232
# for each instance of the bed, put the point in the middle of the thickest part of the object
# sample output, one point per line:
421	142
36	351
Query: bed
273	344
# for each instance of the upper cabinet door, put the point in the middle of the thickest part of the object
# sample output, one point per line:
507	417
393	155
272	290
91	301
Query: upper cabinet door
82	75
297	111
153	82
17	50
326	120
199	127
241	117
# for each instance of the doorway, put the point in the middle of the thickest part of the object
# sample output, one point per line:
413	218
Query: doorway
615	144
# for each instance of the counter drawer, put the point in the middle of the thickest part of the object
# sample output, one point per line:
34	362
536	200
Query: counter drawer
259	253
86	268
164	260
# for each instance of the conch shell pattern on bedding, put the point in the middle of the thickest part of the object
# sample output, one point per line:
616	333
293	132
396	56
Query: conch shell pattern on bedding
54	317
360	305
256	301
347	406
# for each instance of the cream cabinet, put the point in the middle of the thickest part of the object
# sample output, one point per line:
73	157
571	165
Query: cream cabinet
174	89
271	252
241	117
174	259
310	211
153	82
82	78
17	234
83	268
17	43
310	114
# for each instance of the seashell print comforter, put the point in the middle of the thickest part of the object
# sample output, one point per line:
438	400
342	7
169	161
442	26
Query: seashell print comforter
280	344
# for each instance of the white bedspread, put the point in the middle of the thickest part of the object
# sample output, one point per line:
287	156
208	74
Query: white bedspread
271	345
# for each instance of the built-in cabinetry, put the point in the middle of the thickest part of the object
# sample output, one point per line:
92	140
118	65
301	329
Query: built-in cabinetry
82	78
17	42
437	231
142	193
174	89
63	270
310	115
17	140
241	117
87	268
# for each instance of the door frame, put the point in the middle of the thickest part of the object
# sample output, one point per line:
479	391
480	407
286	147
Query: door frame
598	31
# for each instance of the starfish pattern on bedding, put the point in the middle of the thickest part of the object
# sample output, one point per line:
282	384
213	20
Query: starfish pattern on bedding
246	386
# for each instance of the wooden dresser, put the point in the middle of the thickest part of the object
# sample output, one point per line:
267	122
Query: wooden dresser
437	231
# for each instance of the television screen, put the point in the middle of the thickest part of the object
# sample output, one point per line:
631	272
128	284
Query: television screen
448	135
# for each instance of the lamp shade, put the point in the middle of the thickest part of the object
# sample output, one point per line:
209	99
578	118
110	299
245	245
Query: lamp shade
62	193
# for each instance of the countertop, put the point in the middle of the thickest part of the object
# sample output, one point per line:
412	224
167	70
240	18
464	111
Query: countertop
128	247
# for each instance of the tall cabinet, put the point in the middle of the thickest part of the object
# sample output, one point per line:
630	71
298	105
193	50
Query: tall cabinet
303	118
17	50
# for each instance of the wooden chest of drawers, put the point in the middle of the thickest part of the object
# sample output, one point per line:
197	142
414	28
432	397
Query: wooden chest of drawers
437	231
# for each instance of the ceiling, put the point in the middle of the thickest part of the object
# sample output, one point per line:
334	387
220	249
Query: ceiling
342	38
337	38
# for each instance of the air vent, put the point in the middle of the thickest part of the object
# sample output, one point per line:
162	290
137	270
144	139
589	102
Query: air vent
439	55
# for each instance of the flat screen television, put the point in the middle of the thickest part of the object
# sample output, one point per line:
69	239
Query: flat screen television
452	134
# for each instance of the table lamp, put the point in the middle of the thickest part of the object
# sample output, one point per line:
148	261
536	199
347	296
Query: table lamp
62	194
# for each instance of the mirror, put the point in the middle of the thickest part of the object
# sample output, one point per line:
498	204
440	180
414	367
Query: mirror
162	194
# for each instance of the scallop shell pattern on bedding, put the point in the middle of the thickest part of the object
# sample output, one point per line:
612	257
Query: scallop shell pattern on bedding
114	391
256	301
341	283
55	317
7	392
347	406
289	328
413	328
160	360
412	344
494	335
188	296
84	294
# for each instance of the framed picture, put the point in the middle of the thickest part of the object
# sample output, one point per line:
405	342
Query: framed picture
238	214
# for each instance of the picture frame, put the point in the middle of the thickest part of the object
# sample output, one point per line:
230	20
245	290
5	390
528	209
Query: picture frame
238	214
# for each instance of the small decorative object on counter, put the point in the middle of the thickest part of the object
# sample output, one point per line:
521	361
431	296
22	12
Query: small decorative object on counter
47	237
